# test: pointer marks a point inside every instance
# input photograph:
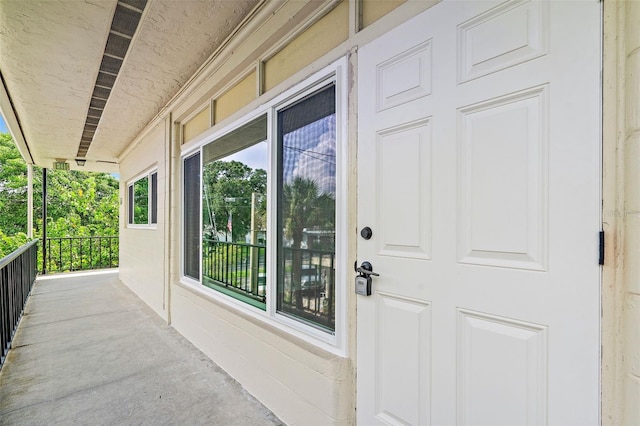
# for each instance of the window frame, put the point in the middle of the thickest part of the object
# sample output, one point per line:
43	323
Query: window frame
152	207
183	274
335	342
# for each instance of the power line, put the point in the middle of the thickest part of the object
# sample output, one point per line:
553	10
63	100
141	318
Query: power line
307	153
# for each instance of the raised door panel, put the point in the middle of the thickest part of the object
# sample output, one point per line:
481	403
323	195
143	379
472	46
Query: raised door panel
402	360
503	172
404	195
502	371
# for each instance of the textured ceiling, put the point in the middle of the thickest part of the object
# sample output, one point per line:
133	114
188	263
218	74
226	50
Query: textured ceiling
50	53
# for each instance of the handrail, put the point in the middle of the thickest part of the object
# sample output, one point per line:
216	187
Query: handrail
17	252
237	267
67	254
17	274
306	286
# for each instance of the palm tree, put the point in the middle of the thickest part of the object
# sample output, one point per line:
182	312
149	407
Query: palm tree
304	207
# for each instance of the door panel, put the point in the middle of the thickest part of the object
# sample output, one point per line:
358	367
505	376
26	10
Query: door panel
503	162
405	225
478	168
491	347
409	348
501	37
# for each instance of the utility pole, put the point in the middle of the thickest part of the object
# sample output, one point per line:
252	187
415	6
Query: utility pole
253	256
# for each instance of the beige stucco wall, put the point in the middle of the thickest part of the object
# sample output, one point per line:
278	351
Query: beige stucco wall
142	250
235	98
372	10
308	46
631	307
197	124
621	214
300	382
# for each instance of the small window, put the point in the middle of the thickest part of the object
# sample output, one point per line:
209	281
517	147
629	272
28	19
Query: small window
143	200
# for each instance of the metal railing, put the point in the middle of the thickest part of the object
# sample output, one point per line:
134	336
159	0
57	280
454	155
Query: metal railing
306	283
67	254
237	267
17	275
307	290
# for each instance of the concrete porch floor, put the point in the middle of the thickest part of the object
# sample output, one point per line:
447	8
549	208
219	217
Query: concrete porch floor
89	351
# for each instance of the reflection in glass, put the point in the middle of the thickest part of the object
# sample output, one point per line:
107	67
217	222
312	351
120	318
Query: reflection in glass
234	212
306	217
141	201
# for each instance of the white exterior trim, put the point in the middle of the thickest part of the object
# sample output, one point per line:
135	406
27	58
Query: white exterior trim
335	343
129	183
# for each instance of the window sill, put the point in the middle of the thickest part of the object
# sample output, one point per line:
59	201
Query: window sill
148	227
278	325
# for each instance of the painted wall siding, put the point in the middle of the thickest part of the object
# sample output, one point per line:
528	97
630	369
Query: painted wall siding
621	202
613	202
300	383
244	54
372	10
317	40
631	319
236	342
303	385
197	124
142	251
294	55
238	96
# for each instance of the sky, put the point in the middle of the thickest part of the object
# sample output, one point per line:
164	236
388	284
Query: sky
255	156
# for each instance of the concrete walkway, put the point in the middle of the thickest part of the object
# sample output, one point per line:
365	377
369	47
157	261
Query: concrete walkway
88	351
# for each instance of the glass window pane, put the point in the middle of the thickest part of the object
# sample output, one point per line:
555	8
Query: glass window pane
141	201
306	213
130	204
234	213
154	198
192	216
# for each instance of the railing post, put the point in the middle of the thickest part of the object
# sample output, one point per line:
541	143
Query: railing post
44	220
30	201
17	275
64	259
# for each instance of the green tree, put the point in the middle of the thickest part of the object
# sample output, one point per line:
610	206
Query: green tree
9	243
13	187
228	186
79	203
304	207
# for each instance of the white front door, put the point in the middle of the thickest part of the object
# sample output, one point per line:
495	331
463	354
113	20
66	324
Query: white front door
479	176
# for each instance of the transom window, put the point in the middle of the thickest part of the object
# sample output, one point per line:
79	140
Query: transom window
260	209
